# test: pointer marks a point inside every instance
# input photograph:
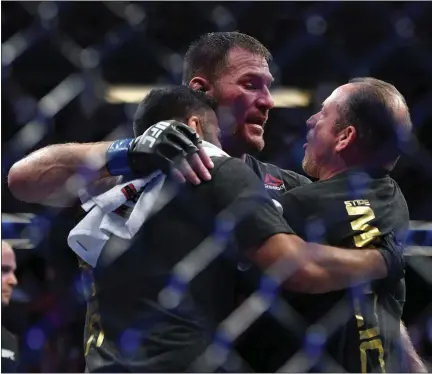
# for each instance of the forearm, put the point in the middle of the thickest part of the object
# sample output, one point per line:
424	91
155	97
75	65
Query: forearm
56	172
332	268
314	268
415	363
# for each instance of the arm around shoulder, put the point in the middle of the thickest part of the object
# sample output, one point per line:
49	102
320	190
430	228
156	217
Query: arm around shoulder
52	174
315	268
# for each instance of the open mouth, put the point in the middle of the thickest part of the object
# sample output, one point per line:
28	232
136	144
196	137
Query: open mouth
260	121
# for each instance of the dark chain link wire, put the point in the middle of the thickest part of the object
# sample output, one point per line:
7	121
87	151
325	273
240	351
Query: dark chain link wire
110	28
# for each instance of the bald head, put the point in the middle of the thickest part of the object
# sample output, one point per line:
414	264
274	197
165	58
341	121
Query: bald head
8	266
6	248
388	95
380	115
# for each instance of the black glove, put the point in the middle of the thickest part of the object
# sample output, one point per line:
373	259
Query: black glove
162	146
393	252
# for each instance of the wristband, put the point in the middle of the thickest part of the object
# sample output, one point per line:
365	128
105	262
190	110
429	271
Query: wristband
117	157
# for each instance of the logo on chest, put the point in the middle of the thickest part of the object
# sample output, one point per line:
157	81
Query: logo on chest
273	183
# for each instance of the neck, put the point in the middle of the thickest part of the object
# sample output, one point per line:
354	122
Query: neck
332	168
330	172
234	150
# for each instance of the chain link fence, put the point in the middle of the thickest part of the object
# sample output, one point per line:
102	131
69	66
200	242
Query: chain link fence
63	66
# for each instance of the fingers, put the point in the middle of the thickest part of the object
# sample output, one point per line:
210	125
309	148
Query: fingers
178	176
186	172
196	168
208	163
192	171
199	167
193	137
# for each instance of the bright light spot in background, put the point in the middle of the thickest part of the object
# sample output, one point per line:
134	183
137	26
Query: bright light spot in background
35	338
130	341
284	97
316	25
404	27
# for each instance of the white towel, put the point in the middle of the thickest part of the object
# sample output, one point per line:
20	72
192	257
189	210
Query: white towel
115	212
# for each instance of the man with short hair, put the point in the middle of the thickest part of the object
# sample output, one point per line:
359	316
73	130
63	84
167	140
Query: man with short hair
352	144
9	346
172	103
9	280
233	68
122	290
372	111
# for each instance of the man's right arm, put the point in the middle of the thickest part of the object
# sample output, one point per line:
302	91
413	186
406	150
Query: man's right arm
55	174
314	268
266	239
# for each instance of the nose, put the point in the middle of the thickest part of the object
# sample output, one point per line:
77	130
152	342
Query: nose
310	123
12	280
265	100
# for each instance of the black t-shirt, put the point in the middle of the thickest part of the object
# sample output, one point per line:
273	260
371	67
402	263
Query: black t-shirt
363	324
276	180
9	348
184	249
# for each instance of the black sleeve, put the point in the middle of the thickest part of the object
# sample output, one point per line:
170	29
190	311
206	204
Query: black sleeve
9	346
245	206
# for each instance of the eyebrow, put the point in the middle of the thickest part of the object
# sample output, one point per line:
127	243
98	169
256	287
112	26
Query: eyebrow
260	76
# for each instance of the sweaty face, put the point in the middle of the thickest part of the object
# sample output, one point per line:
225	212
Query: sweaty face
242	92
8	267
320	149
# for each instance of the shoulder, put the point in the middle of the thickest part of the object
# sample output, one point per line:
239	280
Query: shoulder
219	162
9	352
305	191
233	180
303	196
231	168
9	341
398	190
275	177
231	176
312	197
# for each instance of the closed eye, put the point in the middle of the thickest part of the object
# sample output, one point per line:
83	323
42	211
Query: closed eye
6	269
250	86
257	82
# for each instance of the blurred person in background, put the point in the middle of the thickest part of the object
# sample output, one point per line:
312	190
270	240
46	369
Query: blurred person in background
9	344
229	66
